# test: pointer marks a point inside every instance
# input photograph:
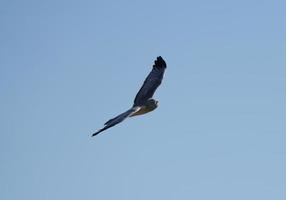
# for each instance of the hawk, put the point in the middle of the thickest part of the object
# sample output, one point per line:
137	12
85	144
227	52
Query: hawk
143	102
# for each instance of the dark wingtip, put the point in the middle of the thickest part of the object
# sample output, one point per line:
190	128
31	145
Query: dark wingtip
100	130
160	63
96	133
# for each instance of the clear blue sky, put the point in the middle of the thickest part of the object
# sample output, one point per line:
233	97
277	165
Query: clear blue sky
68	66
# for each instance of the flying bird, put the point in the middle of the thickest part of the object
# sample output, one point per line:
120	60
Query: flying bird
143	102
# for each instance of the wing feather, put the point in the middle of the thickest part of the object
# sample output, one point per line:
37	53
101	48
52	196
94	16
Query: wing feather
116	120
151	83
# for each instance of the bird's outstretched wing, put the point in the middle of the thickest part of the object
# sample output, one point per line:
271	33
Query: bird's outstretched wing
117	119
151	83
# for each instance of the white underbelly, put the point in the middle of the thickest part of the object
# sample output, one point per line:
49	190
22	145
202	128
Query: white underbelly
142	111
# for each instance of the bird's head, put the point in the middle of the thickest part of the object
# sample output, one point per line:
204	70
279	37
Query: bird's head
157	103
152	103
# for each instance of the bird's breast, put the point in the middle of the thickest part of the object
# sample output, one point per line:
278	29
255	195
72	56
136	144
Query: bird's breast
142	111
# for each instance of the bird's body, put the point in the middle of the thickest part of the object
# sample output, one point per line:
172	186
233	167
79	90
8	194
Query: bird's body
143	102
146	108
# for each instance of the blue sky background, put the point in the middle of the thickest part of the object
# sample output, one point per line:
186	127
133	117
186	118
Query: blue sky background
68	66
